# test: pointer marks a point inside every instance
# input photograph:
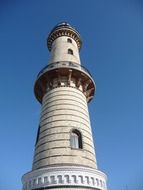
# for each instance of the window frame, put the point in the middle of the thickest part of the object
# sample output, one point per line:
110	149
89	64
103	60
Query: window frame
76	139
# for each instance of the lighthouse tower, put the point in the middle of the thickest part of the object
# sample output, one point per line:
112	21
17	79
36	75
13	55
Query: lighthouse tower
64	157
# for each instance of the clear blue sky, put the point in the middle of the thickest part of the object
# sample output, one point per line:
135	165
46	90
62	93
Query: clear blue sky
112	33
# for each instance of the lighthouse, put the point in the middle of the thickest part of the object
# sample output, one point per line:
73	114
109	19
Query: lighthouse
64	156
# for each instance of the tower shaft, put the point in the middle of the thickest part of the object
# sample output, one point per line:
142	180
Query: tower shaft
64	109
64	156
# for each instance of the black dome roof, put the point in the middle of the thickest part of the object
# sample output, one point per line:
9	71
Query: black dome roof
64	25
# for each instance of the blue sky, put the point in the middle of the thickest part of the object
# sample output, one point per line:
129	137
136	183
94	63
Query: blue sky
112	34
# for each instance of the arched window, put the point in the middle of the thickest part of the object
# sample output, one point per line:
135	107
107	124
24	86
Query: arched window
76	139
70	51
69	40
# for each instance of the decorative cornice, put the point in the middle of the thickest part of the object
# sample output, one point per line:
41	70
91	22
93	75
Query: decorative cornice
63	32
64	176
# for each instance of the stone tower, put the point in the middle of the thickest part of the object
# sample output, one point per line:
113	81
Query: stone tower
64	157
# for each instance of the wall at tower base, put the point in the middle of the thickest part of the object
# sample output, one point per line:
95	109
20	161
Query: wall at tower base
64	176
69	188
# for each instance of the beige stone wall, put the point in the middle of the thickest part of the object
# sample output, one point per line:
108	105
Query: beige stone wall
60	48
64	109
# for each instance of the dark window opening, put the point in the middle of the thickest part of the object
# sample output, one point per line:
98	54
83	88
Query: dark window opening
38	132
69	40
76	139
70	51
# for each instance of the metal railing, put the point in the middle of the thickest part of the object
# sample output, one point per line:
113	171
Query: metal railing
63	64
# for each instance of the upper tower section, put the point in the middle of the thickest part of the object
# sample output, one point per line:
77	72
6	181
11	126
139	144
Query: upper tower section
63	29
64	43
64	68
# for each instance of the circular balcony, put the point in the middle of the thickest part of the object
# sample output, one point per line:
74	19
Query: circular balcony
63	64
64	69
